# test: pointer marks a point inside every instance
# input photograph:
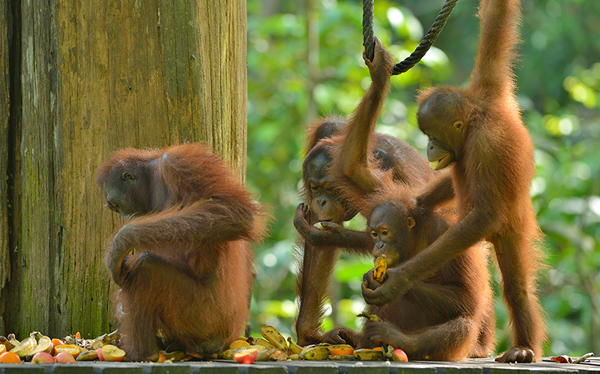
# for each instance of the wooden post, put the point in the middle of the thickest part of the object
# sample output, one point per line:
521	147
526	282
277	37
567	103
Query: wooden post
96	77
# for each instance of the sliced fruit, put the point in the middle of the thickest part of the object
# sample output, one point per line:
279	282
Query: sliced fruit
56	342
239	344
73	349
161	357
228	353
112	353
5	342
341	351
246	356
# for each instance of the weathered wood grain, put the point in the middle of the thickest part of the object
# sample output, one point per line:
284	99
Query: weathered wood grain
96	77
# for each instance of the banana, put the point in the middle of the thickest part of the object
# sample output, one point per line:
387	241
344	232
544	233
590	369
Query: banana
380	269
294	357
261	342
174	356
259	347
293	347
88	356
274	337
315	353
371	317
368	354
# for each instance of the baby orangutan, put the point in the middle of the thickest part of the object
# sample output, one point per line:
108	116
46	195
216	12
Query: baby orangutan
445	317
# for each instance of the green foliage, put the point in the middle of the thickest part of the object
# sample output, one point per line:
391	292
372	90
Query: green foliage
559	90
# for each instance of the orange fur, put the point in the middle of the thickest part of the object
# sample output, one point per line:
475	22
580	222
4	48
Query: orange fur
491	175
193	228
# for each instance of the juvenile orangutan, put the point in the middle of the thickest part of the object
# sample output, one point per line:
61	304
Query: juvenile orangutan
477	130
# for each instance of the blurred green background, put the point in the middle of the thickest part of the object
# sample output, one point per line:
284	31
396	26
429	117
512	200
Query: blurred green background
305	60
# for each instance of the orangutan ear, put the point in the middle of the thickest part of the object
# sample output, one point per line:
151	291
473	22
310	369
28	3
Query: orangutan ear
410	222
458	125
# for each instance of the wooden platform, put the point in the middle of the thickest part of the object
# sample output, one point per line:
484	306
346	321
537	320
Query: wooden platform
479	366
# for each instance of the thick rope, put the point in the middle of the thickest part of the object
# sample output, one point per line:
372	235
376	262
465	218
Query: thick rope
422	48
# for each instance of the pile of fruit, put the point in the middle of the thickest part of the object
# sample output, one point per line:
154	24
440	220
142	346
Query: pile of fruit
273	347
40	349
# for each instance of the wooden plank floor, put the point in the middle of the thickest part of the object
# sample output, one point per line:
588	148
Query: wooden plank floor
478	366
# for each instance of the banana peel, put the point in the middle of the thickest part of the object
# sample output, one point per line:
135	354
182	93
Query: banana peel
96	343
339	346
293	348
274	337
26	346
368	354
173	356
315	353
261	342
12	340
44	344
380	268
88	356
112	338
7	343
